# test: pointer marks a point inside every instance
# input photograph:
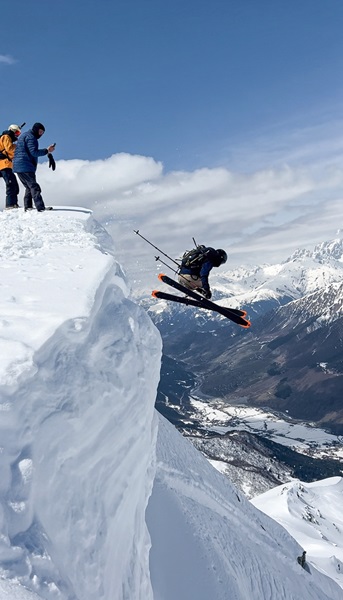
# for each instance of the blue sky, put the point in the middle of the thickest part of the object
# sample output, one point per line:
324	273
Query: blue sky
220	120
188	82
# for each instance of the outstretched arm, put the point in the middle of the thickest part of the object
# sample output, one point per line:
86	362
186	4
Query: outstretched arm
204	273
32	146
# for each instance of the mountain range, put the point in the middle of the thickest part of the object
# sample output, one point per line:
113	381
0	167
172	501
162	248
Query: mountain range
290	360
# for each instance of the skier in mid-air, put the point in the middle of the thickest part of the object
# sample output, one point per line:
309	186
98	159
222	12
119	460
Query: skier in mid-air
193	275
196	266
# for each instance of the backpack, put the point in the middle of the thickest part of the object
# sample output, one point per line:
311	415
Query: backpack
3	153
192	259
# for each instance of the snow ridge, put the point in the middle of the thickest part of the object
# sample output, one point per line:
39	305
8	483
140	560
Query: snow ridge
77	427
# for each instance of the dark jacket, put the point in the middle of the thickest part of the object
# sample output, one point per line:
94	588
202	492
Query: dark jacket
27	153
203	270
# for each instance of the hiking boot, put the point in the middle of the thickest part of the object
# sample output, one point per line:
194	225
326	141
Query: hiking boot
29	208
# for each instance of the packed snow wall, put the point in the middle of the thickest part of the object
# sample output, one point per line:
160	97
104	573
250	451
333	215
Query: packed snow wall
77	428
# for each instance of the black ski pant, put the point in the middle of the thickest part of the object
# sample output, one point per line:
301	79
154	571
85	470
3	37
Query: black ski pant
12	187
32	191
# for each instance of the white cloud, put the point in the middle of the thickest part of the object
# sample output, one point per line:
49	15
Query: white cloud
258	217
291	143
6	59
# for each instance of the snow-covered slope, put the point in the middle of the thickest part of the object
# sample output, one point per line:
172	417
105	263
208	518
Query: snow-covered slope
208	541
312	513
78	378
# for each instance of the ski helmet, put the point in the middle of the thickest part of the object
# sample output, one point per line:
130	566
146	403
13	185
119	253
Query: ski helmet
222	256
15	129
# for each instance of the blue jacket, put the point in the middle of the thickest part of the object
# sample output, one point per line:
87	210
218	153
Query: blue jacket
27	153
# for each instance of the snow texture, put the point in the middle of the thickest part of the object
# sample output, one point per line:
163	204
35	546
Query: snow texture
79	371
312	513
208	541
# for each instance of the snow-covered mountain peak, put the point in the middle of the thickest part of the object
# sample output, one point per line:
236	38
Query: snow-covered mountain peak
312	514
329	250
323	252
304	272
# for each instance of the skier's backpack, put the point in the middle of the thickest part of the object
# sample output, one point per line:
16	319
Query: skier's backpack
192	259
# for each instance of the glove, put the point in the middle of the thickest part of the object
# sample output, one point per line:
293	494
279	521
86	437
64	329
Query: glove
207	294
52	163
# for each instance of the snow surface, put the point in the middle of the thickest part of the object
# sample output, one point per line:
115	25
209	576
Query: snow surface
80	367
208	541
78	455
312	513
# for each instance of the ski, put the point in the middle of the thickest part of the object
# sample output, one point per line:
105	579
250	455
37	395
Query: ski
203	302
191	302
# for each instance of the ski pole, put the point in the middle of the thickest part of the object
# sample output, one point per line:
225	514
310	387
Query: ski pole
157	258
164	254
